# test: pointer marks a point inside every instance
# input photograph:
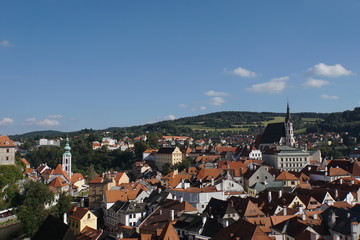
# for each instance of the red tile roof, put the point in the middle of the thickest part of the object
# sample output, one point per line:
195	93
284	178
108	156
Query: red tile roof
5	141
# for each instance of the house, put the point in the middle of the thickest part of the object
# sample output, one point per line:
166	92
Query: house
297	228
246	207
169	156
79	218
241	229
97	188
7	151
256	173
192	226
121	177
149	154
125	213
342	223
198	197
169	211
220	209
288	179
59	185
77	182
249	152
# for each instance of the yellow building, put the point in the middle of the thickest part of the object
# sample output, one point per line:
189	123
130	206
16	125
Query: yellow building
79	218
168	155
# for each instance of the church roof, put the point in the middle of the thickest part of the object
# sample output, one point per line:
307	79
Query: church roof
273	133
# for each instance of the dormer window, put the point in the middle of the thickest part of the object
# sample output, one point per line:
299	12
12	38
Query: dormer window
6	143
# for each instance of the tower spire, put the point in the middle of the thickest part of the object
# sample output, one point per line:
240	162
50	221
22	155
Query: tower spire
287	119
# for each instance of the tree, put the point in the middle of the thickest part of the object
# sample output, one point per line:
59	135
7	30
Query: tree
166	169
139	148
91	173
32	211
63	205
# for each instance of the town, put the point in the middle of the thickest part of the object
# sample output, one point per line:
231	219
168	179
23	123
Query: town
275	185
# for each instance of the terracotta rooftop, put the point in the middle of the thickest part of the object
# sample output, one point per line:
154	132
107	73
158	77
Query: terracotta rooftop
5	141
77	212
285	175
76	177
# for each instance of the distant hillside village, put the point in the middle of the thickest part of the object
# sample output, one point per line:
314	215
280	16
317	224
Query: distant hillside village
271	186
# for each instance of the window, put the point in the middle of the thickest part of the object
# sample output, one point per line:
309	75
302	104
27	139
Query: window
88	215
7	150
7	158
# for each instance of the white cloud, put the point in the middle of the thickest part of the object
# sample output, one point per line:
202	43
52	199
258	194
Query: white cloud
42	123
242	72
6	43
170	117
325	96
216	94
322	69
216	101
276	85
6	121
202	108
56	116
315	83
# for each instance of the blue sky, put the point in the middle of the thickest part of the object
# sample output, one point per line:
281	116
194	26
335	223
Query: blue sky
69	65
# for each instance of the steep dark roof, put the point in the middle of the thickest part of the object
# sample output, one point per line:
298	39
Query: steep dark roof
273	133
291	227
343	219
211	227
165	150
242	229
55	229
218	208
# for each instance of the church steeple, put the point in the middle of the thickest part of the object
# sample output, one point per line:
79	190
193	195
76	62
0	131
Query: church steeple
66	160
289	131
287	119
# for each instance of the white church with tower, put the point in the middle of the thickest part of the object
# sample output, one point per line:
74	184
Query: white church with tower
279	149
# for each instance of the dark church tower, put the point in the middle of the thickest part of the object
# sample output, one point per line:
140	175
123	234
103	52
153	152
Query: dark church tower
289	131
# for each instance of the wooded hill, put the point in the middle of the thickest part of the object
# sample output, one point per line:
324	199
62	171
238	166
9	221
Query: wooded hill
229	122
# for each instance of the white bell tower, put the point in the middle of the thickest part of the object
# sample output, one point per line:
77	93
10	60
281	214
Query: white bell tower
66	159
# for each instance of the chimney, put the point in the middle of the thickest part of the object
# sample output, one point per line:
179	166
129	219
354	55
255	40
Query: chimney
315	216
280	193
181	199
269	196
303	217
203	220
301	209
226	223
172	213
212	181
354	230
285	211
160	212
65	218
341	181
82	202
336	194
